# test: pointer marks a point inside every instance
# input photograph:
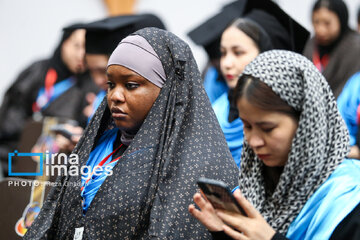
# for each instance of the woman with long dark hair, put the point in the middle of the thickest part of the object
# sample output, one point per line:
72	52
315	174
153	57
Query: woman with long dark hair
335	48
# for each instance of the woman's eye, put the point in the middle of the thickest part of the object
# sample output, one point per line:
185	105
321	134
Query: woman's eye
267	130
238	53
110	84
247	126
131	85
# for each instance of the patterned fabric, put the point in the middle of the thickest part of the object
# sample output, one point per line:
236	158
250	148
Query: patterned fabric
319	146
90	183
154	181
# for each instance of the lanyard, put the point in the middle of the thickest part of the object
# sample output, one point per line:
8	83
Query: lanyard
320	63
50	80
102	163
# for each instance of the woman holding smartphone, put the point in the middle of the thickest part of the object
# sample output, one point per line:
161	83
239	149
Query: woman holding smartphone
295	180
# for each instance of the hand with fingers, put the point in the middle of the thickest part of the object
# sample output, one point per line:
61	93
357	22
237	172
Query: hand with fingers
237	226
206	215
253	226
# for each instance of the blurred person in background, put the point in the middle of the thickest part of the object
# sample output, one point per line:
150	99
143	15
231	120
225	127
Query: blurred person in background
335	48
51	87
208	36
263	26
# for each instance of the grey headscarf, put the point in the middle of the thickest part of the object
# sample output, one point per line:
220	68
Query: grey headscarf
319	146
136	54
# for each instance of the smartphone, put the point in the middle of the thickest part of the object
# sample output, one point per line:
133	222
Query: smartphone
60	129
219	195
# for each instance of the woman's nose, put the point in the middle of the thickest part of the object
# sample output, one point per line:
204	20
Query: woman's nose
255	141
227	61
117	95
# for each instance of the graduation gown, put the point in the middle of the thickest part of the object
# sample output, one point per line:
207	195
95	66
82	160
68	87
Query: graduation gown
17	109
148	194
233	131
348	104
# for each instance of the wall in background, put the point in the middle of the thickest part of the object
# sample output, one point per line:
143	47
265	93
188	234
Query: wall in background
31	29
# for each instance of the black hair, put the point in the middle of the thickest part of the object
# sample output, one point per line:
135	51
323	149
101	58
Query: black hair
255	32
338	7
262	96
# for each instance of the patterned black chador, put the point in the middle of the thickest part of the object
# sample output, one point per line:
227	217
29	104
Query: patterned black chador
152	184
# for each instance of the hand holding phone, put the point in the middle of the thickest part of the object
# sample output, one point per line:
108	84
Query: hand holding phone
219	195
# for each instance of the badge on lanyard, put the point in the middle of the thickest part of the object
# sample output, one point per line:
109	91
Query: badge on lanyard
78	233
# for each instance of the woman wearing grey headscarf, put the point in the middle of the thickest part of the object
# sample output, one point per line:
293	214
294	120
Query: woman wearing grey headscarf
149	141
294	178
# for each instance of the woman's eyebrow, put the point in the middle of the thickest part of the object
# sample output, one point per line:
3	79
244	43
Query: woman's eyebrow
265	123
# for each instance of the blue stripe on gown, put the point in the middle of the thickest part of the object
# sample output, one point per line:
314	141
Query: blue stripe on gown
233	131
99	97
103	149
58	89
348	102
329	205
213	87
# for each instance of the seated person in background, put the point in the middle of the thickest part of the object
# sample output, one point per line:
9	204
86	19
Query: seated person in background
156	134
51	87
348	104
335	48
295	179
208	35
261	28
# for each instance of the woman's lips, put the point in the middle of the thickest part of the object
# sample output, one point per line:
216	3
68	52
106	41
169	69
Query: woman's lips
263	156
230	77
117	113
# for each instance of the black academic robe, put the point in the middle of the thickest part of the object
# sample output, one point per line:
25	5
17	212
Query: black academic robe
16	108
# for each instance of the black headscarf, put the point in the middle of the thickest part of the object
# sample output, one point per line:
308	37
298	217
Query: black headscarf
153	183
339	8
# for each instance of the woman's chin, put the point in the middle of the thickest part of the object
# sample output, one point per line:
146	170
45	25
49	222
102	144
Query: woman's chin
126	128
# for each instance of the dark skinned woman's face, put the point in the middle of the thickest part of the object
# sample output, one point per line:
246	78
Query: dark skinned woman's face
130	97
